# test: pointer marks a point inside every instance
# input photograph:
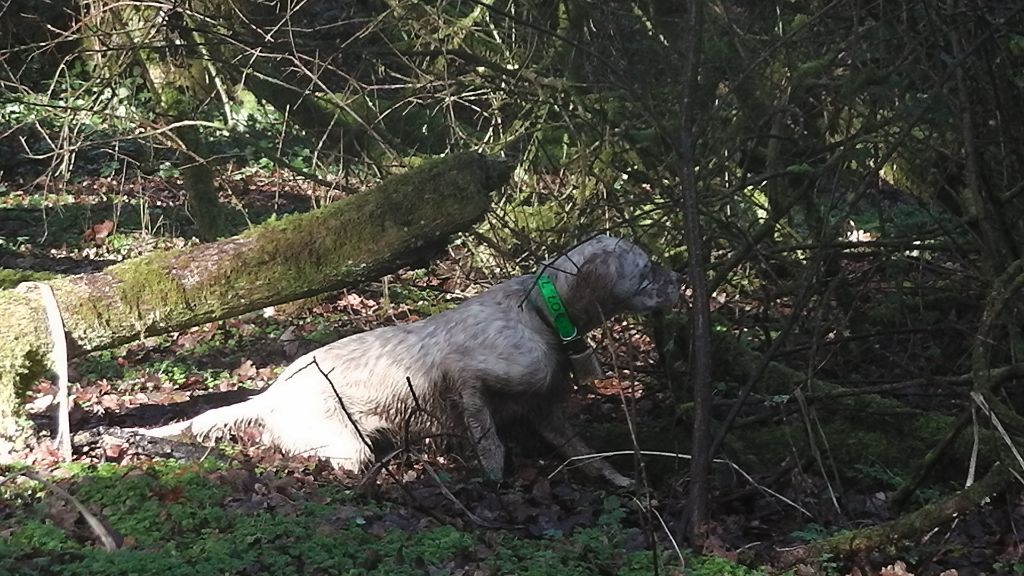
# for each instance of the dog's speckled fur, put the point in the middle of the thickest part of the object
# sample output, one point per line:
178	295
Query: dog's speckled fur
492	357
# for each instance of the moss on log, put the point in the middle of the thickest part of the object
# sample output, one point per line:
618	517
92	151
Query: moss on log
9	277
363	237
908	527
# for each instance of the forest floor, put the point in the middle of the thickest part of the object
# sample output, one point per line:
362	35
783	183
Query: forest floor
246	509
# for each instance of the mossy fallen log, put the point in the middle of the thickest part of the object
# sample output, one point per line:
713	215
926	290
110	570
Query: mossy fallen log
397	224
909	527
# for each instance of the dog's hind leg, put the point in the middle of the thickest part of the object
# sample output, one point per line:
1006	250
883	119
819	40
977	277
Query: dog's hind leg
325	434
211	424
346	453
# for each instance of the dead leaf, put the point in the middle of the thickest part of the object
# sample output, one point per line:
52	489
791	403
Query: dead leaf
190	338
110	402
113	450
169	495
193	381
897	569
41	403
714	545
245	371
240	480
98	232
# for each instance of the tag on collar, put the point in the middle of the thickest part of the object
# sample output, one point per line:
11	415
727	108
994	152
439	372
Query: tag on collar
585	367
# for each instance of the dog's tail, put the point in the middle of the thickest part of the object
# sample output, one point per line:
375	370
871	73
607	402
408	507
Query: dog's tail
213	424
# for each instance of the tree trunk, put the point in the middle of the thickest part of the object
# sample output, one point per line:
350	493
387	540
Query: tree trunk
399	223
700	312
203	203
180	82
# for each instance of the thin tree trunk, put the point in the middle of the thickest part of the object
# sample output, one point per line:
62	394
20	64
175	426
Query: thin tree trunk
203	203
701	336
400	223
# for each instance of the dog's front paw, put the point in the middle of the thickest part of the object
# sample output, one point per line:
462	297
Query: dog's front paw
619	480
493	461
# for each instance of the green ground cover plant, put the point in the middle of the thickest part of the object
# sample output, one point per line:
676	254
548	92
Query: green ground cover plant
207	519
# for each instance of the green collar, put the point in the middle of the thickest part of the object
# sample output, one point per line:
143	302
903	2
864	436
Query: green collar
558	315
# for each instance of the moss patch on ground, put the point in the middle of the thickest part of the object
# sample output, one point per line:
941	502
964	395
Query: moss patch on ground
204	520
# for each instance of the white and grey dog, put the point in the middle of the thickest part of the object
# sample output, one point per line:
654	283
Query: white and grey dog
493	359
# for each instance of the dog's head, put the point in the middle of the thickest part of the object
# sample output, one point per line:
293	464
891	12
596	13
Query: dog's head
605	276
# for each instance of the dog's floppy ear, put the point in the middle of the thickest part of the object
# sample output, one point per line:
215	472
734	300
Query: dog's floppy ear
591	287
597	272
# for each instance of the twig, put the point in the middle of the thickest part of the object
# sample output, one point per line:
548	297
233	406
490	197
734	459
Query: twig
928	463
394	453
444	490
700	312
755	376
110	539
341	402
980	399
907	526
748	477
59	362
664	526
857	337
